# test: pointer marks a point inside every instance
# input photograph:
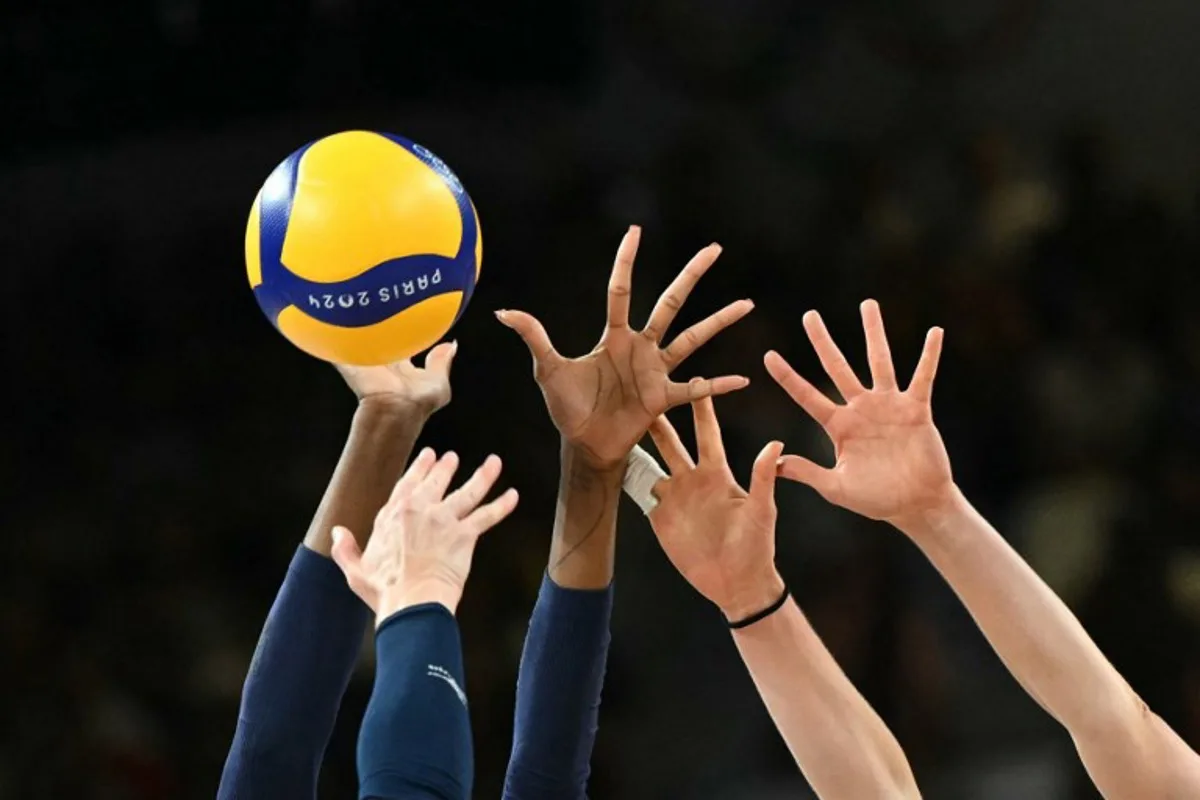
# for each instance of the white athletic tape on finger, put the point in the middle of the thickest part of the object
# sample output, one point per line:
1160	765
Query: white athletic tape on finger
642	472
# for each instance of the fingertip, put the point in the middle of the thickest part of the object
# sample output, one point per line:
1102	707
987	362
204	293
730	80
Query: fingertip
811	317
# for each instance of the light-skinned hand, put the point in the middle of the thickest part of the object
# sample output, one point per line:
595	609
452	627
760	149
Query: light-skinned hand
720	537
891	462
421	547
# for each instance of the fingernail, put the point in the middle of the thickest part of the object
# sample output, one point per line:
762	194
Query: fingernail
453	345
338	533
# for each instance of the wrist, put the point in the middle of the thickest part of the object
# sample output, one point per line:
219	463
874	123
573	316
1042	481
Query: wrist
393	411
406	594
757	595
581	458
584	470
937	520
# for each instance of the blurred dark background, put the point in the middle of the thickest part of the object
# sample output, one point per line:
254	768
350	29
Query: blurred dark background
1022	172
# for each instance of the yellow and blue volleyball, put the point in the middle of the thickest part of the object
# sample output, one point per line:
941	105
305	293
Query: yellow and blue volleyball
363	248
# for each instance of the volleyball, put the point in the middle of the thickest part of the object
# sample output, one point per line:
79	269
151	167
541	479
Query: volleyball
363	248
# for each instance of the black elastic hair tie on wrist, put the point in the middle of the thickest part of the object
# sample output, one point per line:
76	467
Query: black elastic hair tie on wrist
761	615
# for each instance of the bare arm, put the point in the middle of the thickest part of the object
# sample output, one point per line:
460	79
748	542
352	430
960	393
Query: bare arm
601	404
584	544
893	466
840	743
721	538
1127	749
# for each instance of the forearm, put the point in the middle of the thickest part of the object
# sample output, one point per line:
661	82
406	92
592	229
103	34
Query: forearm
415	740
583	547
1126	748
1032	630
377	450
566	648
840	744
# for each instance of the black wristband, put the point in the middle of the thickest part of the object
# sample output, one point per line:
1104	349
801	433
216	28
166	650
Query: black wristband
761	615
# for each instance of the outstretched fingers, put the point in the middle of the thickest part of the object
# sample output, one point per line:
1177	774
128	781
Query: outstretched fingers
677	292
921	385
489	516
441	358
414	475
696	336
698	388
801	470
620	283
807	396
463	500
533	333
835	364
879	353
709	446
670	446
762	476
438	480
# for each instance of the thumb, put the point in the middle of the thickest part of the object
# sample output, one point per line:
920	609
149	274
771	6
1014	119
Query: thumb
532	333
801	470
762	476
441	358
347	555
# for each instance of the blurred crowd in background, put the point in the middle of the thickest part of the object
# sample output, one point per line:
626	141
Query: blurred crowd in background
163	447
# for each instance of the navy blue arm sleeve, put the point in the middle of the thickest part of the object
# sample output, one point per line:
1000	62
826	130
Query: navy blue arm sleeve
295	684
558	694
415	741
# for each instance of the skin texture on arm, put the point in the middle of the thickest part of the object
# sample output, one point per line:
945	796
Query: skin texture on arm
394	404
721	538
601	403
892	466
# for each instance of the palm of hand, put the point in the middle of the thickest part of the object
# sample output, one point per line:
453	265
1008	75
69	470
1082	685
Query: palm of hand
891	462
890	457
713	534
604	401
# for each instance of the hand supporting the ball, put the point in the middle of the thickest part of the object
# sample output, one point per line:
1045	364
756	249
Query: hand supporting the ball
720	537
424	539
402	385
603	402
891	462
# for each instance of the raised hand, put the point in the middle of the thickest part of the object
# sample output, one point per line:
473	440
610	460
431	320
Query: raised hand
603	402
421	548
891	462
401	384
720	537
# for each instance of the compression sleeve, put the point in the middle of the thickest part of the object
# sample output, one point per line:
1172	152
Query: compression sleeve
299	672
415	741
558	693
